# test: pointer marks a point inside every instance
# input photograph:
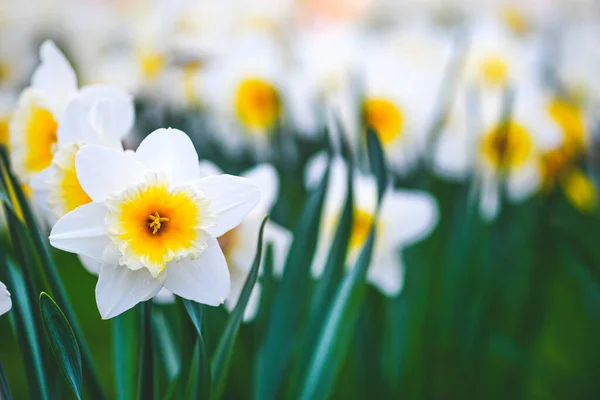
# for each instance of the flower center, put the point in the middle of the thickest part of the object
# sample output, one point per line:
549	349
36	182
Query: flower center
152	64
64	190
494	70
257	104
155	222
151	224
571	121
507	146
385	117
361	227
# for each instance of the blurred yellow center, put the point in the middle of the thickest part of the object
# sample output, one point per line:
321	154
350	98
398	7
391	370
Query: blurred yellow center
4	131
64	190
257	104
507	146
571	120
361	226
385	117
580	190
40	138
152	225
152	65
494	70
514	19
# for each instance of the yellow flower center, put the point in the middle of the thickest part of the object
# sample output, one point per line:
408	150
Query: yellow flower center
515	20
4	131
257	104
40	139
64	190
361	226
494	70
152	224
580	190
507	146
385	117
571	120
152	64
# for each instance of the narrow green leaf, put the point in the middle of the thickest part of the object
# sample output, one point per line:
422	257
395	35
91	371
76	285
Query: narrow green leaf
199	384
146	382
222	356
165	344
124	334
25	329
290	304
377	161
90	375
338	329
62	342
4	389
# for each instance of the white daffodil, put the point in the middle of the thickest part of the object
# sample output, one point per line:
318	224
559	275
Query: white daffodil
33	128
153	222
5	301
406	217
402	80
245	94
100	115
513	150
237	244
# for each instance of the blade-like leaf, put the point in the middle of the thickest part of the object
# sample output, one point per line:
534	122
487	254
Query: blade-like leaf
377	161
4	389
222	356
290	302
125	354
146	382
338	329
50	271
62	341
199	383
24	326
165	344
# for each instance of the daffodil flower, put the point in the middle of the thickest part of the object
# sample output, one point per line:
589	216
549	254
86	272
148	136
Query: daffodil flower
153	222
34	125
237	245
406	216
5	301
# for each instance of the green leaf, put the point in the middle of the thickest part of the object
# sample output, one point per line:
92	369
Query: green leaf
199	378
62	341
4	389
377	161
338	329
124	334
50	271
165	344
222	356
146	382
24	325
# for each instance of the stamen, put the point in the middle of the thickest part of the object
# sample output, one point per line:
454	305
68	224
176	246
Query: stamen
155	222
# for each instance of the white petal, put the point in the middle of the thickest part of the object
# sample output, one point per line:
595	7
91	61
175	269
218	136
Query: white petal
165	296
387	275
5	301
119	288
102	171
205	280
490	199
231	199
253	303
170	151
92	266
113	114
82	231
238	280
54	75
407	216
207	168
265	176
281	239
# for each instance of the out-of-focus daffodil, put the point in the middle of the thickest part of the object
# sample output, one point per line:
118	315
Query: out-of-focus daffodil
5	301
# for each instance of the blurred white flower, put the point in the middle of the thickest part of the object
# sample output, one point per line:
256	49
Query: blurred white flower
406	216
5	301
33	128
244	91
153	222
